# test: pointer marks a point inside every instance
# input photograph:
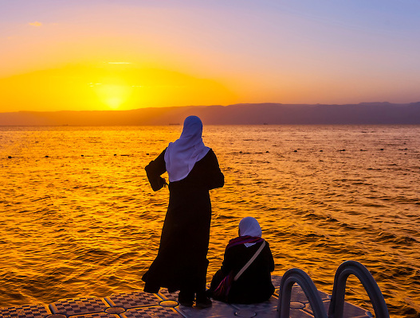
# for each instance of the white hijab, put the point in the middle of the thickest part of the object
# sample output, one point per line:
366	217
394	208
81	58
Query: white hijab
182	154
249	226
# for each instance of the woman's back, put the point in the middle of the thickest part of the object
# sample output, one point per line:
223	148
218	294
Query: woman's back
254	285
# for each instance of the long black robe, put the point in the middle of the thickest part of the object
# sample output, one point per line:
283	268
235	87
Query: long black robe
182	262
254	285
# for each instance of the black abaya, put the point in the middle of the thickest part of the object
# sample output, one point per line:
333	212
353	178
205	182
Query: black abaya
254	285
181	262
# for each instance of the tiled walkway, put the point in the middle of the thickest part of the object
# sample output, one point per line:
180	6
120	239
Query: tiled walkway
165	305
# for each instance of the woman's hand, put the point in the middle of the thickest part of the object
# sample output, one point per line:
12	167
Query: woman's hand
163	182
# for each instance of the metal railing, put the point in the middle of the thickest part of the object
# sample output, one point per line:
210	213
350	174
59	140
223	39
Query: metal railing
336	308
298	276
347	268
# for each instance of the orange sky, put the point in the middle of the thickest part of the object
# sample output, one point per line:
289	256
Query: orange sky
109	55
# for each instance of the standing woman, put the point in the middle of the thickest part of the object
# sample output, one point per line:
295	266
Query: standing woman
193	170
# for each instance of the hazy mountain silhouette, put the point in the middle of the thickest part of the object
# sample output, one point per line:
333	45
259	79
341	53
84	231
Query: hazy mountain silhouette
238	114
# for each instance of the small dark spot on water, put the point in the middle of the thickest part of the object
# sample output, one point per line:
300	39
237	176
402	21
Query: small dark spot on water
46	156
226	216
331	219
311	216
294	150
347	226
10	157
410	312
15	296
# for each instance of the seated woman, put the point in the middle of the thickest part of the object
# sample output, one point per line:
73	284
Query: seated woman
254	284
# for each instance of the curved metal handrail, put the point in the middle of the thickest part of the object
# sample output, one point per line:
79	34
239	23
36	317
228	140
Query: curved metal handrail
298	276
337	299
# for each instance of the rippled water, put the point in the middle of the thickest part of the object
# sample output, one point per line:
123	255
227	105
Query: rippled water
78	217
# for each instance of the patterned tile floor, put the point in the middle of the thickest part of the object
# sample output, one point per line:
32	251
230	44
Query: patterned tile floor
165	305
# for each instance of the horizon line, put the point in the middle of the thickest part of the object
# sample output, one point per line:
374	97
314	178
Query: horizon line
213	105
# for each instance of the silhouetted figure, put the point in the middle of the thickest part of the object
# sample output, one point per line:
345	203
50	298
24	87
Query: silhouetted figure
254	284
193	170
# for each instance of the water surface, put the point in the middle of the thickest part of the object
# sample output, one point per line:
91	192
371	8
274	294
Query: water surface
78	217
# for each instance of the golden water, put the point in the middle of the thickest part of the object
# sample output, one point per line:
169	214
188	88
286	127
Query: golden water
78	217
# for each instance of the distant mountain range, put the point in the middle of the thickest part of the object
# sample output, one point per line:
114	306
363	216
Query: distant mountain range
238	114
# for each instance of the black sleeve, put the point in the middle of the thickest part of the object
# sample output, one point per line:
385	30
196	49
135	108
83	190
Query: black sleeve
154	169
216	179
271	259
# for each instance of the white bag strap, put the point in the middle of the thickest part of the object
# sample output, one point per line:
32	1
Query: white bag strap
249	262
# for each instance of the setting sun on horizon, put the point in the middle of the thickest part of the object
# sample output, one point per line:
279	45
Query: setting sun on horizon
109	86
105	55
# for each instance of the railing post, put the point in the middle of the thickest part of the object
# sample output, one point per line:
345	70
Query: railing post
298	276
337	299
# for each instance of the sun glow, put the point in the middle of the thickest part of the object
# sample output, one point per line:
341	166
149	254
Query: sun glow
105	86
113	95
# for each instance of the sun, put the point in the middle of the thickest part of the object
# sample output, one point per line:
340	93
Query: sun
112	95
